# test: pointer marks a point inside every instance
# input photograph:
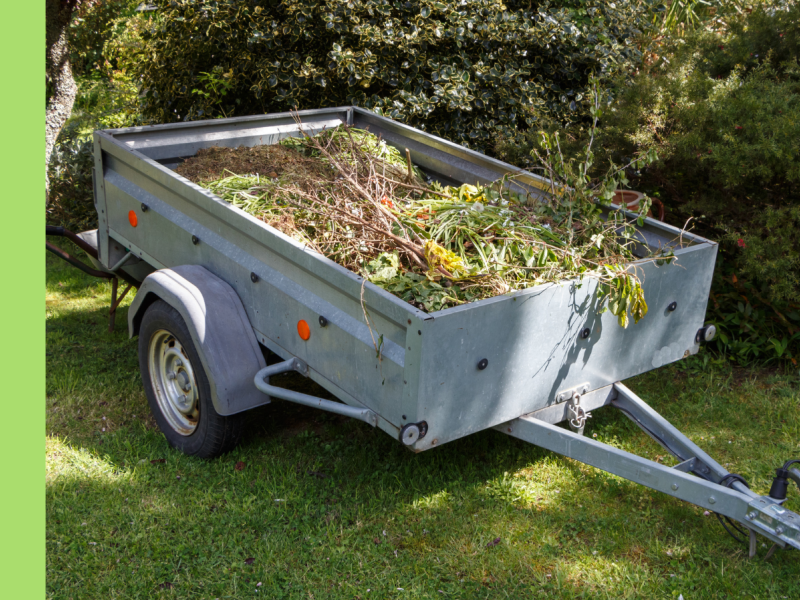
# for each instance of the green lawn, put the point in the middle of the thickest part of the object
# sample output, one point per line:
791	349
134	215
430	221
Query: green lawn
329	508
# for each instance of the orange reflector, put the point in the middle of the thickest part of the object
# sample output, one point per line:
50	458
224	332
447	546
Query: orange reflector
303	330
133	219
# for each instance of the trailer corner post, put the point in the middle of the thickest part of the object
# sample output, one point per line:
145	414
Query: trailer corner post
759	514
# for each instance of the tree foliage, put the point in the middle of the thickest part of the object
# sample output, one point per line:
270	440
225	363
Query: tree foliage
463	69
722	110
93	24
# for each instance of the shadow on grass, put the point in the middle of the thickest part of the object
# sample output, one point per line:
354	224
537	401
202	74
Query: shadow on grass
340	507
331	506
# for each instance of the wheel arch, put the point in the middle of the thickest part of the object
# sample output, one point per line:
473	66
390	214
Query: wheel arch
227	345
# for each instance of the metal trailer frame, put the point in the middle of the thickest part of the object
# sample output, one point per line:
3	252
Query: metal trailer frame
519	363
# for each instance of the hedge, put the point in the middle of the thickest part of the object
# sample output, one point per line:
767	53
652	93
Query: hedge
467	70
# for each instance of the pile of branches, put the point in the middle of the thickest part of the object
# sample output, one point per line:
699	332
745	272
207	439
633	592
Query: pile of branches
353	198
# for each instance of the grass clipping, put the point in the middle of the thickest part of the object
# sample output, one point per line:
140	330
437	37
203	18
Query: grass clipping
360	202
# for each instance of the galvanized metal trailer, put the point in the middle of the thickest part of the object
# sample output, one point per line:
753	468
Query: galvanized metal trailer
222	286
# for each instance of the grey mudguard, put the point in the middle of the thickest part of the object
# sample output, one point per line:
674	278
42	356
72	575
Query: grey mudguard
220	330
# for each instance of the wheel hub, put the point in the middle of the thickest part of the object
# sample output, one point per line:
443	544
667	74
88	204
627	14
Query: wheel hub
174	382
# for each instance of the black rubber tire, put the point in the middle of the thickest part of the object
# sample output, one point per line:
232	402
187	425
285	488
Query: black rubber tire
214	434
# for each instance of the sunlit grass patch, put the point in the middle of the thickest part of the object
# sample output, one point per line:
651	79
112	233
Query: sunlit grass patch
67	462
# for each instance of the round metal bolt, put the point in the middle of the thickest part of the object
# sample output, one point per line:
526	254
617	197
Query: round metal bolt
253	277
145	208
404	417
409	434
672	306
178	362
171	375
779	529
483	363
674	486
323	322
195	240
183	381
712	500
752	515
585	333
705	334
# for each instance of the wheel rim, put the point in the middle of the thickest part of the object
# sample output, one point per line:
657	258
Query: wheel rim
174	384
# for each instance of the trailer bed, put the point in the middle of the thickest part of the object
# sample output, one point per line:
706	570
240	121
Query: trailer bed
428	368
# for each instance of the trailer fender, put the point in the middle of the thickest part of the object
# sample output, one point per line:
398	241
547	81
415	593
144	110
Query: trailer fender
220	330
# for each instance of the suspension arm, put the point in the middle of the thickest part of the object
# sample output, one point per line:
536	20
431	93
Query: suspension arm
671	439
295	364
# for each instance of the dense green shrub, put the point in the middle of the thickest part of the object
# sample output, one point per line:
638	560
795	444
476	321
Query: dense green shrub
463	69
722	109
750	327
71	194
96	22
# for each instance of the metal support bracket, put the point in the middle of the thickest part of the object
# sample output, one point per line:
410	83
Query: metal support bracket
121	262
570	393
577	415
295	364
696	479
686	466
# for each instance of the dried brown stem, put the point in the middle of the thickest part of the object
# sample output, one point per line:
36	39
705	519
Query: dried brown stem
417	188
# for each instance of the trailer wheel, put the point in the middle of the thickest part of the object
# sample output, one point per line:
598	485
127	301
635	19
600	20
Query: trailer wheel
177	387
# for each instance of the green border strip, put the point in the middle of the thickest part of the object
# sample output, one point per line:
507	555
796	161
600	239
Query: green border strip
22	524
